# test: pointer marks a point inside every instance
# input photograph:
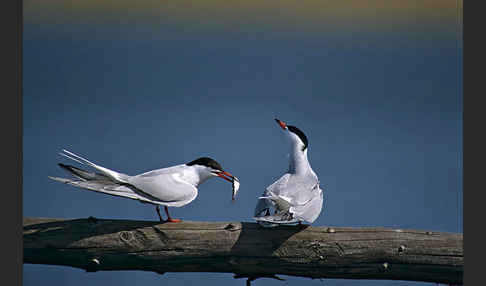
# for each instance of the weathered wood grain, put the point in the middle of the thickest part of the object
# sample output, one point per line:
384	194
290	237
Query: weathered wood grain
245	249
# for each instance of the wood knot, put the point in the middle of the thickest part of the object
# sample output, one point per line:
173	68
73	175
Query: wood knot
401	248
315	243
231	227
330	230
126	236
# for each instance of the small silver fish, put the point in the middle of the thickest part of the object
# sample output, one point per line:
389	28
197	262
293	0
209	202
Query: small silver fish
236	186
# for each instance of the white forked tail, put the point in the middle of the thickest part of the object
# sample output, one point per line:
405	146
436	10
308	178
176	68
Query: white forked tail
117	177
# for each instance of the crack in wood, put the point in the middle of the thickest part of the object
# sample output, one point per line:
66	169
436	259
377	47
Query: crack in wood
340	248
161	235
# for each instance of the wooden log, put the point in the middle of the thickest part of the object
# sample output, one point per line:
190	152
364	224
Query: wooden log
246	249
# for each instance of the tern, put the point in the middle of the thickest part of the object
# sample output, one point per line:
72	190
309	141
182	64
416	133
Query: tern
174	186
296	196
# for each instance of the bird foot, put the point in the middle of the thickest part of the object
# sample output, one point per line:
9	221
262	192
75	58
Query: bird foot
173	220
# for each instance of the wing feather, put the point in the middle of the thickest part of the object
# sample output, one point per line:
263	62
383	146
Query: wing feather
168	188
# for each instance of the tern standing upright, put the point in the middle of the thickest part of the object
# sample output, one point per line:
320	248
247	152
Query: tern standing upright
171	187
296	196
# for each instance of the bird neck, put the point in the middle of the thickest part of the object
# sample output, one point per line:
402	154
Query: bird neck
298	162
195	177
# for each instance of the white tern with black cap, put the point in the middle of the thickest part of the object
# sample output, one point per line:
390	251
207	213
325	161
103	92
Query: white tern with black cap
171	187
296	197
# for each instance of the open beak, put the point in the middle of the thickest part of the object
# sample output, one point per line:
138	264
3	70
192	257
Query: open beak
227	176
230	178
281	123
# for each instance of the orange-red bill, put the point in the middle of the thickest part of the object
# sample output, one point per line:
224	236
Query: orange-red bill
281	123
228	177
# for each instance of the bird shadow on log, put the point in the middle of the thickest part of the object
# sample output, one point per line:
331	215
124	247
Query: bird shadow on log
259	242
267	239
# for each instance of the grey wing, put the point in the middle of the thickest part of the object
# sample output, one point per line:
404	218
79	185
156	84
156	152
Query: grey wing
301	189
263	205
279	185
166	187
164	171
152	183
311	209
295	198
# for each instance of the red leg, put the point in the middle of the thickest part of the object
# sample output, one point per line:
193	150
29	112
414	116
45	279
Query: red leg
169	219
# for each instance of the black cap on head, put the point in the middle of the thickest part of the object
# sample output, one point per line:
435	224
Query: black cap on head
206	161
299	133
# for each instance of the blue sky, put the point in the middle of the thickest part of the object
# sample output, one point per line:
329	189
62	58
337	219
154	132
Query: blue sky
380	103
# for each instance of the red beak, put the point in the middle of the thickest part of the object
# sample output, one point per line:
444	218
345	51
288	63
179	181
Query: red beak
281	123
228	177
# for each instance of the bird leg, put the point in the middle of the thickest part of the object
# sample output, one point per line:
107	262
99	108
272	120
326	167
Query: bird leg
158	212
169	219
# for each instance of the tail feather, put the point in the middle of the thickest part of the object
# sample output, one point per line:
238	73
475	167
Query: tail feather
82	174
72	158
106	181
105	187
282	207
116	176
276	219
281	203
